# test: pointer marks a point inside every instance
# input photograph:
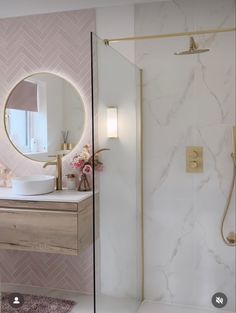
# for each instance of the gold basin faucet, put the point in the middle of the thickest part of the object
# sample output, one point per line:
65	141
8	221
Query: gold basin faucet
58	163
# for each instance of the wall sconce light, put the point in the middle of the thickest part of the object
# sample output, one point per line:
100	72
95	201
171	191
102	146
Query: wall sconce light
112	122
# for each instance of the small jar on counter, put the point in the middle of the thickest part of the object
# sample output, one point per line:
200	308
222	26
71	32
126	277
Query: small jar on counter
71	181
5	177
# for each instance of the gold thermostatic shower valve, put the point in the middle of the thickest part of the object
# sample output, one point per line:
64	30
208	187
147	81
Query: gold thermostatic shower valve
194	159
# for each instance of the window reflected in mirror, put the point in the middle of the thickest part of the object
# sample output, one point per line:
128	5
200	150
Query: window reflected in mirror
44	115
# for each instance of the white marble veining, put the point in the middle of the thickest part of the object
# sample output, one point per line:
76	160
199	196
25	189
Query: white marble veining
56	196
188	100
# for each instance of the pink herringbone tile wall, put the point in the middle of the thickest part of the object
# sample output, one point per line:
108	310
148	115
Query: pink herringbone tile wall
58	43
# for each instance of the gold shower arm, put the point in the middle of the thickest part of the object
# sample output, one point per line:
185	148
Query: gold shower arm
171	35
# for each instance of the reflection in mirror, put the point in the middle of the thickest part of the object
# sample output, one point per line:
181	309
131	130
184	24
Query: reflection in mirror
44	115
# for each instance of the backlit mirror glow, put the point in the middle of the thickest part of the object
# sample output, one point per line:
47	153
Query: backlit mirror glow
44	115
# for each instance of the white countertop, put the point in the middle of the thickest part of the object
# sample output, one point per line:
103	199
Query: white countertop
56	196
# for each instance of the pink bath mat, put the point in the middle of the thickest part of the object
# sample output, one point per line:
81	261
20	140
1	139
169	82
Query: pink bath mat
38	304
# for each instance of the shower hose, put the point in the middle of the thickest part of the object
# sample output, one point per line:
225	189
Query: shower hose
226	240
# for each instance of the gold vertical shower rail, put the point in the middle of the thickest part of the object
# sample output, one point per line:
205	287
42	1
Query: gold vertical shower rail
172	35
142	171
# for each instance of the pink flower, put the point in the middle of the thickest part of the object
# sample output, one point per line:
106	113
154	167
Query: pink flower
87	169
77	163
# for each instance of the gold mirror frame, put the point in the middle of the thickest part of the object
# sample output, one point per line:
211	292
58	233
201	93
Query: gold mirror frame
5	107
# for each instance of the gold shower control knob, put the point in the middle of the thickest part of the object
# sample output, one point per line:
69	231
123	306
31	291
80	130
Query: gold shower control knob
194	154
194	159
193	164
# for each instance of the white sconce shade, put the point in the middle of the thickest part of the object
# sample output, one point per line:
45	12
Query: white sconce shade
112	122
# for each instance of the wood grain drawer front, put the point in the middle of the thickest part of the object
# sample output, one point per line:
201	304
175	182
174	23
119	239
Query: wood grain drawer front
38	230
37	205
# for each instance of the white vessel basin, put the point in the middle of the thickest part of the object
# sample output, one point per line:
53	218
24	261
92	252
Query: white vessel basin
33	185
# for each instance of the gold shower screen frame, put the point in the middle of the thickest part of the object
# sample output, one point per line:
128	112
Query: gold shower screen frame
172	35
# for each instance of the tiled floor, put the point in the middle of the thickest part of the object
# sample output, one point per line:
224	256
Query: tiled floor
107	304
153	307
84	303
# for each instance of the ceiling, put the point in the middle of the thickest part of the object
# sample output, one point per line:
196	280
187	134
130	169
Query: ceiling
10	8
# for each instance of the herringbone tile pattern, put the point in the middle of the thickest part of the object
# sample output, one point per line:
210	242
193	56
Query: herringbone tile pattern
47	270
58	43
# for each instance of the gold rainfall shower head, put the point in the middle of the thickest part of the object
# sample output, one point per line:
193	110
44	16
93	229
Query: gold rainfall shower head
193	48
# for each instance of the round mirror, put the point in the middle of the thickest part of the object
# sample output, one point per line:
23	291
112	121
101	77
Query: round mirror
44	116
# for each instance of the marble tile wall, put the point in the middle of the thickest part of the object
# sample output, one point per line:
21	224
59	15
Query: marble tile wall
58	43
188	100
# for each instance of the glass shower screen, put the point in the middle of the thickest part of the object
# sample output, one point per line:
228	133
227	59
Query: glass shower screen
117	195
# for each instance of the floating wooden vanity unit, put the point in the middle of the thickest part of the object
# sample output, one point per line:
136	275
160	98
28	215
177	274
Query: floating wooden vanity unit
60	222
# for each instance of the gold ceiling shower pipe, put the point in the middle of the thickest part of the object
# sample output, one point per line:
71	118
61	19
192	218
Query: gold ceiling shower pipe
172	35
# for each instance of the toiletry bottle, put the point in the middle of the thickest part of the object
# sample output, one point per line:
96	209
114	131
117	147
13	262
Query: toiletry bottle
71	181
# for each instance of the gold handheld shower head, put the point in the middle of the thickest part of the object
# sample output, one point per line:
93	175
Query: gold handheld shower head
193	48
231	237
